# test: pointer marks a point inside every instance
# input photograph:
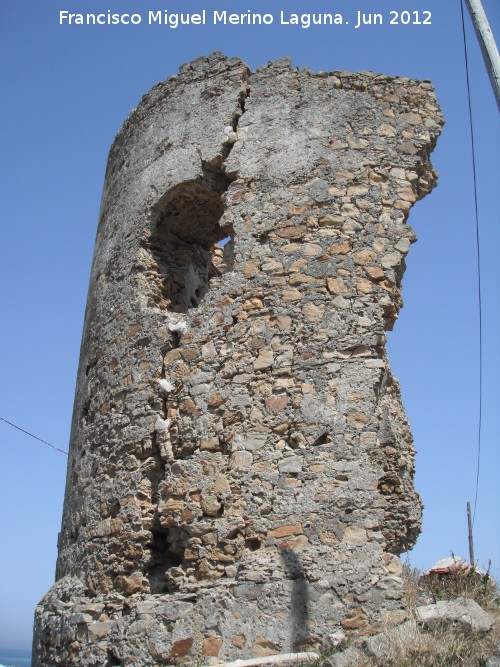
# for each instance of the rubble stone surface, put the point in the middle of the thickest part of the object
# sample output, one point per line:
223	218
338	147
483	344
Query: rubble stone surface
379	645
461	611
348	658
240	479
494	661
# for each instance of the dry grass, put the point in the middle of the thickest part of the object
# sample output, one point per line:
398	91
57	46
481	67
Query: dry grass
447	647
477	586
412	592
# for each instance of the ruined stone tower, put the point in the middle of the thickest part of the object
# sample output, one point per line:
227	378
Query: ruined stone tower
240	479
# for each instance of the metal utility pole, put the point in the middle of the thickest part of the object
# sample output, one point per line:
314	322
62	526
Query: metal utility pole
487	44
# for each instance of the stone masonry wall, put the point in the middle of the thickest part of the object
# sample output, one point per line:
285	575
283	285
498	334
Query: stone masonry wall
240	479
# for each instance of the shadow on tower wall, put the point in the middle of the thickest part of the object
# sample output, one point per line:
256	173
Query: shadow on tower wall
299	633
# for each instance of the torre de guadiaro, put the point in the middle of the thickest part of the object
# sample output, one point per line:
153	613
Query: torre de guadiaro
240	476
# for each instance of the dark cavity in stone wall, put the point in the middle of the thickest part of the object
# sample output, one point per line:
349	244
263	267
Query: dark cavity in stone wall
185	228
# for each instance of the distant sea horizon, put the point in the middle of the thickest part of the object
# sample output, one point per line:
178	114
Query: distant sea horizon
15	658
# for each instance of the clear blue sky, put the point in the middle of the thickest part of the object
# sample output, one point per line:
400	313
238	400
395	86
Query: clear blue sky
65	93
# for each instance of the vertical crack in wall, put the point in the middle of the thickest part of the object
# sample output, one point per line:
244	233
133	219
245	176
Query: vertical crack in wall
186	230
185	225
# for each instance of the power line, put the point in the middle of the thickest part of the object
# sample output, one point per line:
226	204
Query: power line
480	301
33	436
